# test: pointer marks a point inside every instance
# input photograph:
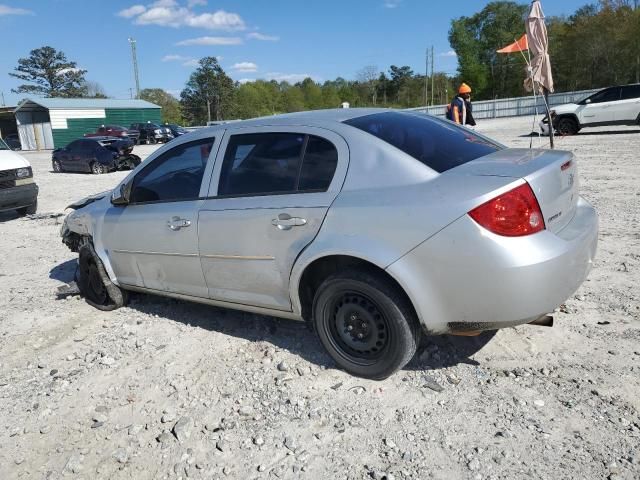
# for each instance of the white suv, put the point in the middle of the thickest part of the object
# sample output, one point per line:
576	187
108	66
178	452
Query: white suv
611	106
17	188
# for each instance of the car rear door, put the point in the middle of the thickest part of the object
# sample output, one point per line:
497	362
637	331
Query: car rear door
153	241
629	110
66	156
271	190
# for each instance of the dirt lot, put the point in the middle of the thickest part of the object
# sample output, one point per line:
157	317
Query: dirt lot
168	389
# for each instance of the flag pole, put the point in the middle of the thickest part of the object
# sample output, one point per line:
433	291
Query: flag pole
546	102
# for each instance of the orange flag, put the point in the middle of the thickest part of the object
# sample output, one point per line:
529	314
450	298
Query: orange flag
519	46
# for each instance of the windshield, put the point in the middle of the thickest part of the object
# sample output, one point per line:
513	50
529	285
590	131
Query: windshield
3	146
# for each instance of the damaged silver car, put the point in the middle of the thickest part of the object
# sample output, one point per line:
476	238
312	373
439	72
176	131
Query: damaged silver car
375	226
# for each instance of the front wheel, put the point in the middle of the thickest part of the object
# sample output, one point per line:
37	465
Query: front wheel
94	283
30	210
366	324
567	126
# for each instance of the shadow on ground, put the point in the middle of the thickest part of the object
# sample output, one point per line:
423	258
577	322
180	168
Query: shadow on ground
294	336
584	134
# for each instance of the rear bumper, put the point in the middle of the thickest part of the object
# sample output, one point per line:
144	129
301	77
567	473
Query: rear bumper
18	197
466	278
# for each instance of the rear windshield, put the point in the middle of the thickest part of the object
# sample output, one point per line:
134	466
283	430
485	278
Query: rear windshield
438	144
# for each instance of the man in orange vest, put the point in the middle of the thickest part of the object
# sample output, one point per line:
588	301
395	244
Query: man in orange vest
460	110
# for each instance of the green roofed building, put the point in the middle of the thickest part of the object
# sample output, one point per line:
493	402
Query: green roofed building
47	123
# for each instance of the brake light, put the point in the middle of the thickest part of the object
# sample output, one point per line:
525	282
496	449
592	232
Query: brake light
512	214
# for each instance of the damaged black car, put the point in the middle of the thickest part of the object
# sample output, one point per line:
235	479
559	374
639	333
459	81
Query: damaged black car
95	155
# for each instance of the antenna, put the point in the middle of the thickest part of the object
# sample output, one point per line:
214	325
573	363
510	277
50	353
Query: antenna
134	56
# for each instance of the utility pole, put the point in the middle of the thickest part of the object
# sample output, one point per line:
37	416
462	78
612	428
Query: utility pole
433	79
3	104
426	79
134	57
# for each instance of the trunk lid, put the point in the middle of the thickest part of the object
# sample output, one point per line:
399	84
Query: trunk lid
552	174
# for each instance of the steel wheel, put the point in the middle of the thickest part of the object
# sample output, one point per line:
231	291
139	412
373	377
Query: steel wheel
366	323
357	328
57	167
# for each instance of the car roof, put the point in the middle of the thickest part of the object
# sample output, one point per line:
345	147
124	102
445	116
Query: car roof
312	118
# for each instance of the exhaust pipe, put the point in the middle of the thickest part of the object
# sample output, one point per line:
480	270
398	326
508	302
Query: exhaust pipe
546	321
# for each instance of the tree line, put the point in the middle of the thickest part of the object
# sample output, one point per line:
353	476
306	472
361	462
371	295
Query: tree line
597	46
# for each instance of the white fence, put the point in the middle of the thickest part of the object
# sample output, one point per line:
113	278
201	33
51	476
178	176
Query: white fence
512	107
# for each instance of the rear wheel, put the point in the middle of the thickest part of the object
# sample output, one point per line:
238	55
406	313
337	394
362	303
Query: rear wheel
366	324
567	126
57	166
98	169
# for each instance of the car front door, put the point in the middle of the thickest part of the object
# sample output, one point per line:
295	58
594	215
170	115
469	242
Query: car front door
600	108
270	193
66	156
153	241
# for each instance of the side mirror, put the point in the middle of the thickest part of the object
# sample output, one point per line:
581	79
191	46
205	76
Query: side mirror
121	197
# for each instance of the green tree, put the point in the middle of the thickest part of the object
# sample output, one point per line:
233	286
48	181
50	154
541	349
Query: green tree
477	38
48	73
170	106
208	94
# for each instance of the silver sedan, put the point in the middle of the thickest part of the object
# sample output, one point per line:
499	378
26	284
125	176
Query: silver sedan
376	226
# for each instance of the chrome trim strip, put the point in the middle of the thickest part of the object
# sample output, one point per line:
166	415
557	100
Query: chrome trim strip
239	257
192	255
133	252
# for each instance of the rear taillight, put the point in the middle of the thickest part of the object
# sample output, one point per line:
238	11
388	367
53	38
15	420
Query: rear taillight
512	214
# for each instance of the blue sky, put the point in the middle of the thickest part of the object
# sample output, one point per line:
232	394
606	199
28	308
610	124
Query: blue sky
281	39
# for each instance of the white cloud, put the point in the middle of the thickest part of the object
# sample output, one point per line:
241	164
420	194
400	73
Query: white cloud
246	80
7	10
450	53
175	58
192	62
289	77
169	13
210	41
392	3
262	37
245	67
132	11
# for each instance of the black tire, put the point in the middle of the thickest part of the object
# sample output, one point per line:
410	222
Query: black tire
30	210
57	166
567	126
94	283
366	324
98	169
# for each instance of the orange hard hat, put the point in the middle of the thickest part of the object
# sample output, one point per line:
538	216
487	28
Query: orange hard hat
464	88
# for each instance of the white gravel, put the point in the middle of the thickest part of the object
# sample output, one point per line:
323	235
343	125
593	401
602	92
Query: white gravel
168	389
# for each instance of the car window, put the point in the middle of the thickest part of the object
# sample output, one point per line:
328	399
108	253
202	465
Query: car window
631	92
74	146
175	175
261	163
318	166
88	146
438	144
608	95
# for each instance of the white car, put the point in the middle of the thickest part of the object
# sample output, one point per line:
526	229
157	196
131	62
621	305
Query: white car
611	106
17	188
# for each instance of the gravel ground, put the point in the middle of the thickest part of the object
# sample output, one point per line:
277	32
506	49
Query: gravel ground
168	389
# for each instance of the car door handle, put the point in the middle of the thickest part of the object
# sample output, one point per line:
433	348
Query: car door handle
287	222
176	223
